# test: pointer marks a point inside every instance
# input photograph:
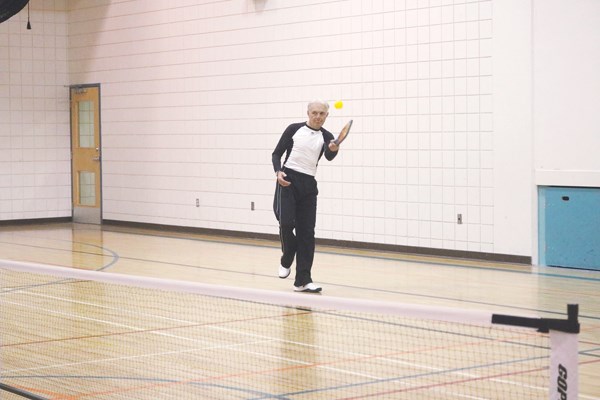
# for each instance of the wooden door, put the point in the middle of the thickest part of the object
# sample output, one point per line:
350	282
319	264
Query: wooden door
86	154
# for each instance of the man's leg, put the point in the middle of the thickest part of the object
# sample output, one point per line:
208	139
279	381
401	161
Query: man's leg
305	232
286	209
289	245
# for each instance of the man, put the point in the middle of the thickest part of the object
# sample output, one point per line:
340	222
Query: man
295	202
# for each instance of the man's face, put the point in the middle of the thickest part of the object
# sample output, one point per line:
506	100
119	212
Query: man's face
317	114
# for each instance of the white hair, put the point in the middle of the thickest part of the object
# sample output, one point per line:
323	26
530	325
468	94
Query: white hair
319	102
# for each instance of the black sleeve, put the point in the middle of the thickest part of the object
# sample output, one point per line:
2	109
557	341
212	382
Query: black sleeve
328	137
284	145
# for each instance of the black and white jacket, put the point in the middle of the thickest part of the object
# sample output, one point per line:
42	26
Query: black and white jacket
304	147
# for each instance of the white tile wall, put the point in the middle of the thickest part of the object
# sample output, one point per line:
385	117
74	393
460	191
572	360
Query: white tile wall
34	115
195	95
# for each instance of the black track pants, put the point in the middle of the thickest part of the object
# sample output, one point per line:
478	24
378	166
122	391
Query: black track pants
295	207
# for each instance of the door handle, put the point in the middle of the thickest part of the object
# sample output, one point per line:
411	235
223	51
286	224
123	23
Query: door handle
96	159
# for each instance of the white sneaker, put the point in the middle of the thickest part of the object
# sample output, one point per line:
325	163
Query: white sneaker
309	287
284	272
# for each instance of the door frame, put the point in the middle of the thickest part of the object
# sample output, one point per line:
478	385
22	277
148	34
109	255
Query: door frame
82	214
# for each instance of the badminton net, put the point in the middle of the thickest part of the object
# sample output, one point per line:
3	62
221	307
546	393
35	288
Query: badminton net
77	334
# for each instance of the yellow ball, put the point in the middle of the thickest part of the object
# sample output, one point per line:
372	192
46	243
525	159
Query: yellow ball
338	104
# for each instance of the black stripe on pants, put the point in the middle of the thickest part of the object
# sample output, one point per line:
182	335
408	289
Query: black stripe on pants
296	209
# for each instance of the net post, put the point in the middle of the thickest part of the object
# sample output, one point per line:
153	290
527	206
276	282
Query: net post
564	365
573	312
564	336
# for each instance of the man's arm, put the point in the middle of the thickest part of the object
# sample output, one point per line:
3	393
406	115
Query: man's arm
330	150
284	145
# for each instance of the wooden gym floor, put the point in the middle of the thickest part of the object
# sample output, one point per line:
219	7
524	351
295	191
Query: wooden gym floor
469	284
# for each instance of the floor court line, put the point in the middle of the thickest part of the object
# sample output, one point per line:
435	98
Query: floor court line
112	253
375	380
